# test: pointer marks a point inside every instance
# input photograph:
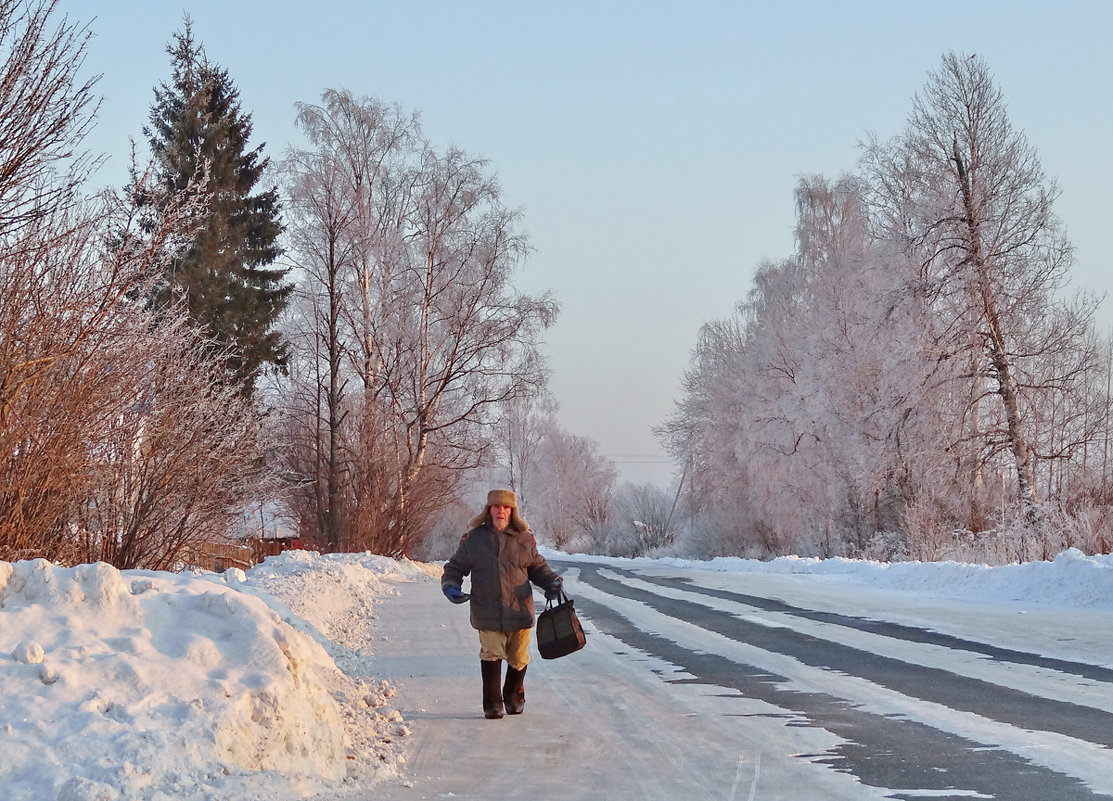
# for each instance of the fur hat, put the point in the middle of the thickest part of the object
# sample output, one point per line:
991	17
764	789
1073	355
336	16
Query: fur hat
502	497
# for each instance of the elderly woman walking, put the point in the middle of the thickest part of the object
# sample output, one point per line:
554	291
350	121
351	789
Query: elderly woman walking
500	554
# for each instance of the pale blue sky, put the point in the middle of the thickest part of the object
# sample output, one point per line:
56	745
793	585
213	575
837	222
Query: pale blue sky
653	146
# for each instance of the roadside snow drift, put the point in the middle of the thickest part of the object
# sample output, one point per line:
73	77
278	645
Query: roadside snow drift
142	685
1072	579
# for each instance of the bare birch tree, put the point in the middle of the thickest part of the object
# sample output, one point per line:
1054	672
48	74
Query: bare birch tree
417	252
525	419
964	192
574	489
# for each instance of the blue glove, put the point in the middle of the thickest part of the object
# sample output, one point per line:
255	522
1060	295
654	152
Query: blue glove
454	594
554	590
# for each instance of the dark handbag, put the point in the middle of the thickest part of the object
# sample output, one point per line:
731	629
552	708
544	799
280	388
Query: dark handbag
559	632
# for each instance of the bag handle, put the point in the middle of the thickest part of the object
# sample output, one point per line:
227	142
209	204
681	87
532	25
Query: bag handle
560	599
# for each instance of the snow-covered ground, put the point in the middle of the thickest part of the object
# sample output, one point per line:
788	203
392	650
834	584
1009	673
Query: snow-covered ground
270	684
1071	580
145	685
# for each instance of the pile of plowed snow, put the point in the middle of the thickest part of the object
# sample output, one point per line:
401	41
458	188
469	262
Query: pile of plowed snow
145	685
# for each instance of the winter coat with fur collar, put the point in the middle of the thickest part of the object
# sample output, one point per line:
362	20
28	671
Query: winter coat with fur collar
502	566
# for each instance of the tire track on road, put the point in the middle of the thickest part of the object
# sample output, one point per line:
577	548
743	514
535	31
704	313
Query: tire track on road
883	751
885	628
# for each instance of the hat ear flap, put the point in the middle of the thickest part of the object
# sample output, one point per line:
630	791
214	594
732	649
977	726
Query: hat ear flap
517	522
480	520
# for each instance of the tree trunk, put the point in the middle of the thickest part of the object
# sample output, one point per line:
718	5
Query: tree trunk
997	351
332	512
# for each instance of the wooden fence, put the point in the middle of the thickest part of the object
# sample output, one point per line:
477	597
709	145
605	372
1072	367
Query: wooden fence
219	556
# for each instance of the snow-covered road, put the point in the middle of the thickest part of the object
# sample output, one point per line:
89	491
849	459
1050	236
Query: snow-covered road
598	724
348	677
699	684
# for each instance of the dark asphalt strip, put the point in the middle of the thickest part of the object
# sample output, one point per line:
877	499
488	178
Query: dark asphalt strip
886	629
882	751
929	684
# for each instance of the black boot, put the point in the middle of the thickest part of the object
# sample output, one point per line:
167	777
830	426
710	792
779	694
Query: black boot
492	678
514	691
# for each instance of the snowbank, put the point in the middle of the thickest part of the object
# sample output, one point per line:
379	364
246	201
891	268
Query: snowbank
144	685
1072	579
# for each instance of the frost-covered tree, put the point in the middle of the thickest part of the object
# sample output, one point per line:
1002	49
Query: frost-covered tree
642	521
407	255
789	404
910	362
573	486
525	420
963	193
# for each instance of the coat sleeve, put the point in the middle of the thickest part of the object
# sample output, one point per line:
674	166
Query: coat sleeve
539	571
458	566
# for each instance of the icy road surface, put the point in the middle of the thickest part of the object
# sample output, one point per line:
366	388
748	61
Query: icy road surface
704	685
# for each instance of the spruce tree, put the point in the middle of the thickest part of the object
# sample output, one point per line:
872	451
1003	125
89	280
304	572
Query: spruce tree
226	278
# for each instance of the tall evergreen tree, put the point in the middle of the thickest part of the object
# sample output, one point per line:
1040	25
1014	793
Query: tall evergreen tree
226	278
